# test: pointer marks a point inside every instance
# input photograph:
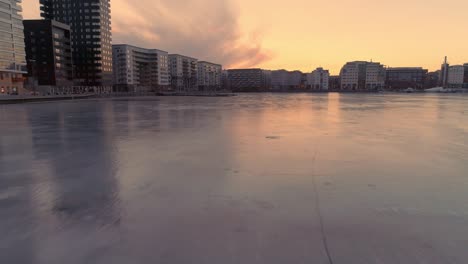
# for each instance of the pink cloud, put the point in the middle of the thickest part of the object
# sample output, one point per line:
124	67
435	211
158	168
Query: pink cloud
206	29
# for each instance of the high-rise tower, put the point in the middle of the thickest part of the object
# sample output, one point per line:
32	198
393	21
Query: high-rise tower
90	24
12	51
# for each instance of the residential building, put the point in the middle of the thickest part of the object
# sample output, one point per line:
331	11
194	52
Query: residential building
183	72
279	80
249	80
12	48
362	76
457	76
406	77
334	83
209	76
48	52
282	80
465	81
375	77
224	80
295	80
318	80
138	69
91	37
432	79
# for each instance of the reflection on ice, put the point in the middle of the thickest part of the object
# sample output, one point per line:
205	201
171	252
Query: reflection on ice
231	180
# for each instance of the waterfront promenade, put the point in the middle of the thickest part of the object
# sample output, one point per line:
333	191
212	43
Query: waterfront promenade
18	99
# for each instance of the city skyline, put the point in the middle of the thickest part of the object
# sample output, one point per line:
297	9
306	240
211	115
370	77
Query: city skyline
243	34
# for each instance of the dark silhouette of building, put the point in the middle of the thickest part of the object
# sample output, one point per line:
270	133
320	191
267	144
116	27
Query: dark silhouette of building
248	80
334	83
444	72
48	52
432	79
406	77
465	82
90	25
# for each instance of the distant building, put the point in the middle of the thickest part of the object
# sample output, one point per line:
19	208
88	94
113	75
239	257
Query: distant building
183	71
334	83
444	72
224	80
91	37
209	76
267	77
432	80
403	78
362	76
48	52
457	76
318	80
282	80
295	80
138	69
248	80
465	82
279	80
12	48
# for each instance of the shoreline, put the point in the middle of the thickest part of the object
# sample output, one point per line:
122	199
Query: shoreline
33	99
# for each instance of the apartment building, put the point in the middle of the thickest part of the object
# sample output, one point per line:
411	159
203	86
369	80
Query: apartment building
183	72
137	69
48	52
362	76
12	48
91	37
209	76
318	80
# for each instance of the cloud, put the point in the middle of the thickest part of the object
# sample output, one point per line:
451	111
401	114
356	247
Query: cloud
205	29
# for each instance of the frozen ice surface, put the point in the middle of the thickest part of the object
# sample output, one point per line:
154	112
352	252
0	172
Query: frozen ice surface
274	179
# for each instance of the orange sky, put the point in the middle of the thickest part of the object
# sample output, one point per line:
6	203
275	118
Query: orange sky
296	34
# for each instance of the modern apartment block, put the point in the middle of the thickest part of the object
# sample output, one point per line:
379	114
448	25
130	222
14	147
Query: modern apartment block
184	72
138	69
318	80
458	76
90	25
12	48
362	76
248	80
283	80
334	83
279	80
406	77
48	52
209	76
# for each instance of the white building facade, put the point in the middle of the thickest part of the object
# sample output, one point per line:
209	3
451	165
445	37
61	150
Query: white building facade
362	76
318	80
456	76
183	72
137	69
12	48
209	76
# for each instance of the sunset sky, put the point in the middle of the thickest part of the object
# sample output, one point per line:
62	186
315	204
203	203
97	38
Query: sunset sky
295	34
